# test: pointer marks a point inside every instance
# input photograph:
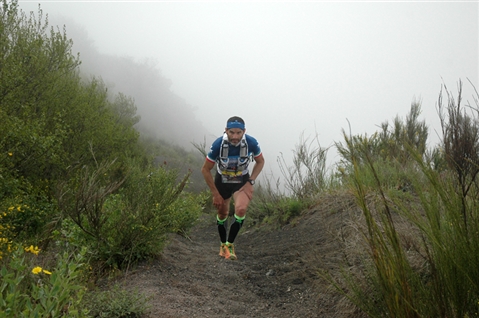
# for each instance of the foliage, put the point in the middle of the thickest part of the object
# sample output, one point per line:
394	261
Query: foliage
304	180
127	224
28	290
444	284
307	176
37	71
391	144
115	303
171	156
270	206
461	143
51	120
24	215
74	171
391	281
388	151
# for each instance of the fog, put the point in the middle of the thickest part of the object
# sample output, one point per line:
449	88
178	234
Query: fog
288	68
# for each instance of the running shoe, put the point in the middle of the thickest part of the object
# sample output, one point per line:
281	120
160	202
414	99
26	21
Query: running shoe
224	251
231	251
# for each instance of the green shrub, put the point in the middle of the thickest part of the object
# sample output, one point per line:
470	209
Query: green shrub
115	303
25	215
273	208
126	221
28	290
183	213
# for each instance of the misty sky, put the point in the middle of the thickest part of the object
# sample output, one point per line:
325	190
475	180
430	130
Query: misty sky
293	67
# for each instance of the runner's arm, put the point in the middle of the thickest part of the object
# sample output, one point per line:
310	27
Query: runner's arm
206	171
258	166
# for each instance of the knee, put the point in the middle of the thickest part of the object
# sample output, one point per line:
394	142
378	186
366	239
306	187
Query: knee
223	213
240	211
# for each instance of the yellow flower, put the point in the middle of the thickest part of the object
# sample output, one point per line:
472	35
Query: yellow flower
34	250
47	272
36	270
10	154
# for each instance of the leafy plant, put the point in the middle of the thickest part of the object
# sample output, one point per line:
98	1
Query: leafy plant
28	290
124	225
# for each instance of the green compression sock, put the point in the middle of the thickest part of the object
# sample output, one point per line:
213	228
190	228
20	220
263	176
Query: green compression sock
222	226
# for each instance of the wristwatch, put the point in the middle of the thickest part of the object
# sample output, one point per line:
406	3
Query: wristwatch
251	181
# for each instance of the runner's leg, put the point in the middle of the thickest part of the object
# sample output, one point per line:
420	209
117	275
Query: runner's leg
242	198
222	220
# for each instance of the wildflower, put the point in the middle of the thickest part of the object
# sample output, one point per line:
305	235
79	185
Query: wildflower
36	270
47	272
34	250
10	154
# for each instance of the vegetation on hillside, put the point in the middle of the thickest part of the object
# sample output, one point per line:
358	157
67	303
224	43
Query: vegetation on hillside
78	180
76	177
426	268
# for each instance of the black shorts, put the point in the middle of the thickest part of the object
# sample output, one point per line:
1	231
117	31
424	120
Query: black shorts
227	189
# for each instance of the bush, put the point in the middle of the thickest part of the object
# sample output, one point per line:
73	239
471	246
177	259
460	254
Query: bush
28	290
271	207
124	225
115	303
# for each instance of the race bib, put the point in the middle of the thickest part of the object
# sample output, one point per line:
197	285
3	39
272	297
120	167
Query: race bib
232	177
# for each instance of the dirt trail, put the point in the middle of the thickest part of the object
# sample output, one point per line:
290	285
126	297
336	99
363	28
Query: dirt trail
276	274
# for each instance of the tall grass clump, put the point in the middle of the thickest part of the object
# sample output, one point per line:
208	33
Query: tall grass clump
307	175
389	283
303	180
271	206
423	246
386	151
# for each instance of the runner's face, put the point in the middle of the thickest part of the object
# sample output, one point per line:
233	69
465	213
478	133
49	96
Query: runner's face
235	135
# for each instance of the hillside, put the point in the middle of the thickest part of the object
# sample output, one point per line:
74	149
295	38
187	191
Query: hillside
276	274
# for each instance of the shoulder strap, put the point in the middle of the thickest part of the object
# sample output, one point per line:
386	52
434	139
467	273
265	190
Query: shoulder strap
224	149
222	160
243	159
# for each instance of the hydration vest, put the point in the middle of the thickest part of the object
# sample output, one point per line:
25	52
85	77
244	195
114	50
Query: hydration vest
243	159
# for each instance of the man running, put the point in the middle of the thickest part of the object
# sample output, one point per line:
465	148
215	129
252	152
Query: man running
232	153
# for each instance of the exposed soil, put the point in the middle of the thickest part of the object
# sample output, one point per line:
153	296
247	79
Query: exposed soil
276	273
